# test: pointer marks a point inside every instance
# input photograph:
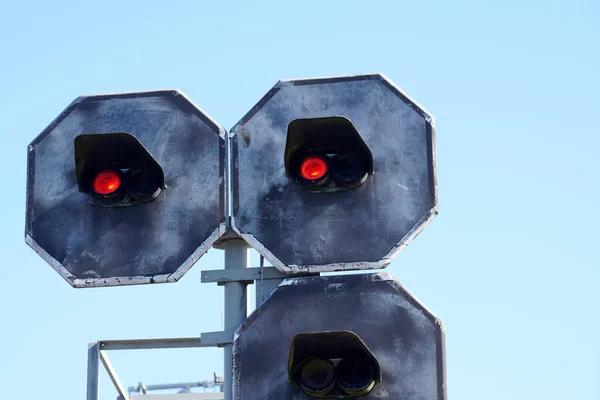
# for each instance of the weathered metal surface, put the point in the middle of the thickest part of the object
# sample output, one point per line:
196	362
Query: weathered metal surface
300	231
90	245
406	338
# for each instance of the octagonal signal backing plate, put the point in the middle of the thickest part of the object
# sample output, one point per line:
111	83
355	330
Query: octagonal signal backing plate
403	335
91	245
300	231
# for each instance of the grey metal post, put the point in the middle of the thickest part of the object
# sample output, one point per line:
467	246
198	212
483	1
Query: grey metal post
93	392
236	304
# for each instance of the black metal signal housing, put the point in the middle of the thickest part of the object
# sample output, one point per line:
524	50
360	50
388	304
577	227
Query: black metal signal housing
349	161
140	177
332	364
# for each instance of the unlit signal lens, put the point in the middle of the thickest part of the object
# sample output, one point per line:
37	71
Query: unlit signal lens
142	184
355	376
317	376
349	169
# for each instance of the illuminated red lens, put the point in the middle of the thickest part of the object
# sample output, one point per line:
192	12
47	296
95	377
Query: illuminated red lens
106	182
313	168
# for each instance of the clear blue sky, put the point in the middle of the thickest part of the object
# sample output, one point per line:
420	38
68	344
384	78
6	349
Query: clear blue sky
510	264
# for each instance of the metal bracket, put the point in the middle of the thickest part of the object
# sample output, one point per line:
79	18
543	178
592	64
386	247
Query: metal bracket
246	275
228	235
218	339
143	344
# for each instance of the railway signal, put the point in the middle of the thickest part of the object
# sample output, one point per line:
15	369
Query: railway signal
126	188
333	174
345	336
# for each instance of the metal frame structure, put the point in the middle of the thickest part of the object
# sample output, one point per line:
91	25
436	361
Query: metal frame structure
97	354
234	278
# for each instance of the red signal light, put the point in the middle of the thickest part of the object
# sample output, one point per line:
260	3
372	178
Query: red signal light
106	182
313	168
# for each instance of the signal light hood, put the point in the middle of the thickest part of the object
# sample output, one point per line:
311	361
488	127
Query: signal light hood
120	151
344	345
328	136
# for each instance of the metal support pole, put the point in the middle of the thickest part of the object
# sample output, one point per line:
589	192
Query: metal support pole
236	304
93	371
